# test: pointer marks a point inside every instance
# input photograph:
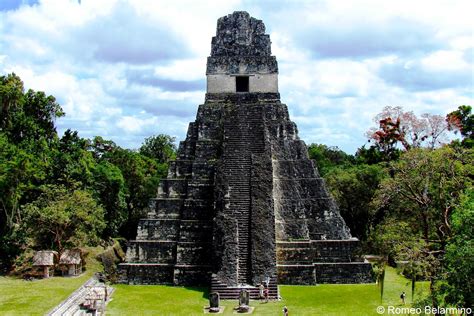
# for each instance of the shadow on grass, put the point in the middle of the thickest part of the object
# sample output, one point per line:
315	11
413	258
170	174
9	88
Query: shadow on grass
203	289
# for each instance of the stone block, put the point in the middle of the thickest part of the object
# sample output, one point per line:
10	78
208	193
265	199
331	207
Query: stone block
296	274
295	253
197	209
146	273
168	207
192	275
147	251
202	190
172	188
206	149
195	230
203	170
180	169
158	229
344	273
289	169
194	253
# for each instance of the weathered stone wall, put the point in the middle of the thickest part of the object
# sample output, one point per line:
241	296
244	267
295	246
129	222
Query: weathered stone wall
225	83
241	47
302	274
239	34
344	272
141	273
174	243
322	273
309	251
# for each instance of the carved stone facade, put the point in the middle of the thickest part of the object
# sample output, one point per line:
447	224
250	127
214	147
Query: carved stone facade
243	203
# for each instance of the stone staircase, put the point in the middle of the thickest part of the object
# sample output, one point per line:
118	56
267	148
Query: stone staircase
237	167
72	306
232	292
243	137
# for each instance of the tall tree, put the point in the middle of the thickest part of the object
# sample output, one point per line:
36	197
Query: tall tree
397	127
354	188
61	218
327	157
425	189
109	187
11	98
462	120
160	147
141	175
27	117
459	259
73	161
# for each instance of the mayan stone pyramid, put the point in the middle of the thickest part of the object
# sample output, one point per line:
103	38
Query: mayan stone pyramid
242	203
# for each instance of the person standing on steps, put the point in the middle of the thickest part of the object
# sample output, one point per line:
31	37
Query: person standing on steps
266	294
260	291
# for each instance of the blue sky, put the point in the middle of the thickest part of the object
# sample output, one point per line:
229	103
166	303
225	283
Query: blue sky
127	70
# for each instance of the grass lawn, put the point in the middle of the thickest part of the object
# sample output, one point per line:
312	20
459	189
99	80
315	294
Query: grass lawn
357	299
20	297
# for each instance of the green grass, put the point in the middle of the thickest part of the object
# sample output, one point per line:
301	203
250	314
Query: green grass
20	297
357	299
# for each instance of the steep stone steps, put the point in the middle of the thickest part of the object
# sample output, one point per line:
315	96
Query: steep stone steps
232	292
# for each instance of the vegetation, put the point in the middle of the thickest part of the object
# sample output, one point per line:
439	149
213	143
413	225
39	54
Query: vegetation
462	120
59	192
60	219
408	197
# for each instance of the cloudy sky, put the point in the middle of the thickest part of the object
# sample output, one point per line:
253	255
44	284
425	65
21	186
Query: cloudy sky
127	70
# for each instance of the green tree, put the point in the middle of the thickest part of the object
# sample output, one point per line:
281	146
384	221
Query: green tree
27	134
375	155
327	157
109	186
27	117
27	137
160	147
462	120
22	171
73	162
61	218
11	98
459	258
423	192
141	175
426	187
354	188
101	147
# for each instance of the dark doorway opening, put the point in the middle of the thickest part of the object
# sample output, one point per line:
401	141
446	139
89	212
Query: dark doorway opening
242	84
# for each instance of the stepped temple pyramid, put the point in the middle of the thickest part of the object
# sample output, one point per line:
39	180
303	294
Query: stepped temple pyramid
242	203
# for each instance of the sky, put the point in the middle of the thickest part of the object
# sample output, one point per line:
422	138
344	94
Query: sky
130	69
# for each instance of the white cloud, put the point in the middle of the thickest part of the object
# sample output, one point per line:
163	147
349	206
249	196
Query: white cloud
445	60
133	124
340	62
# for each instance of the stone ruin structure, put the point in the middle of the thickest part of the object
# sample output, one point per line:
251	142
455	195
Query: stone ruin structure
243	204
